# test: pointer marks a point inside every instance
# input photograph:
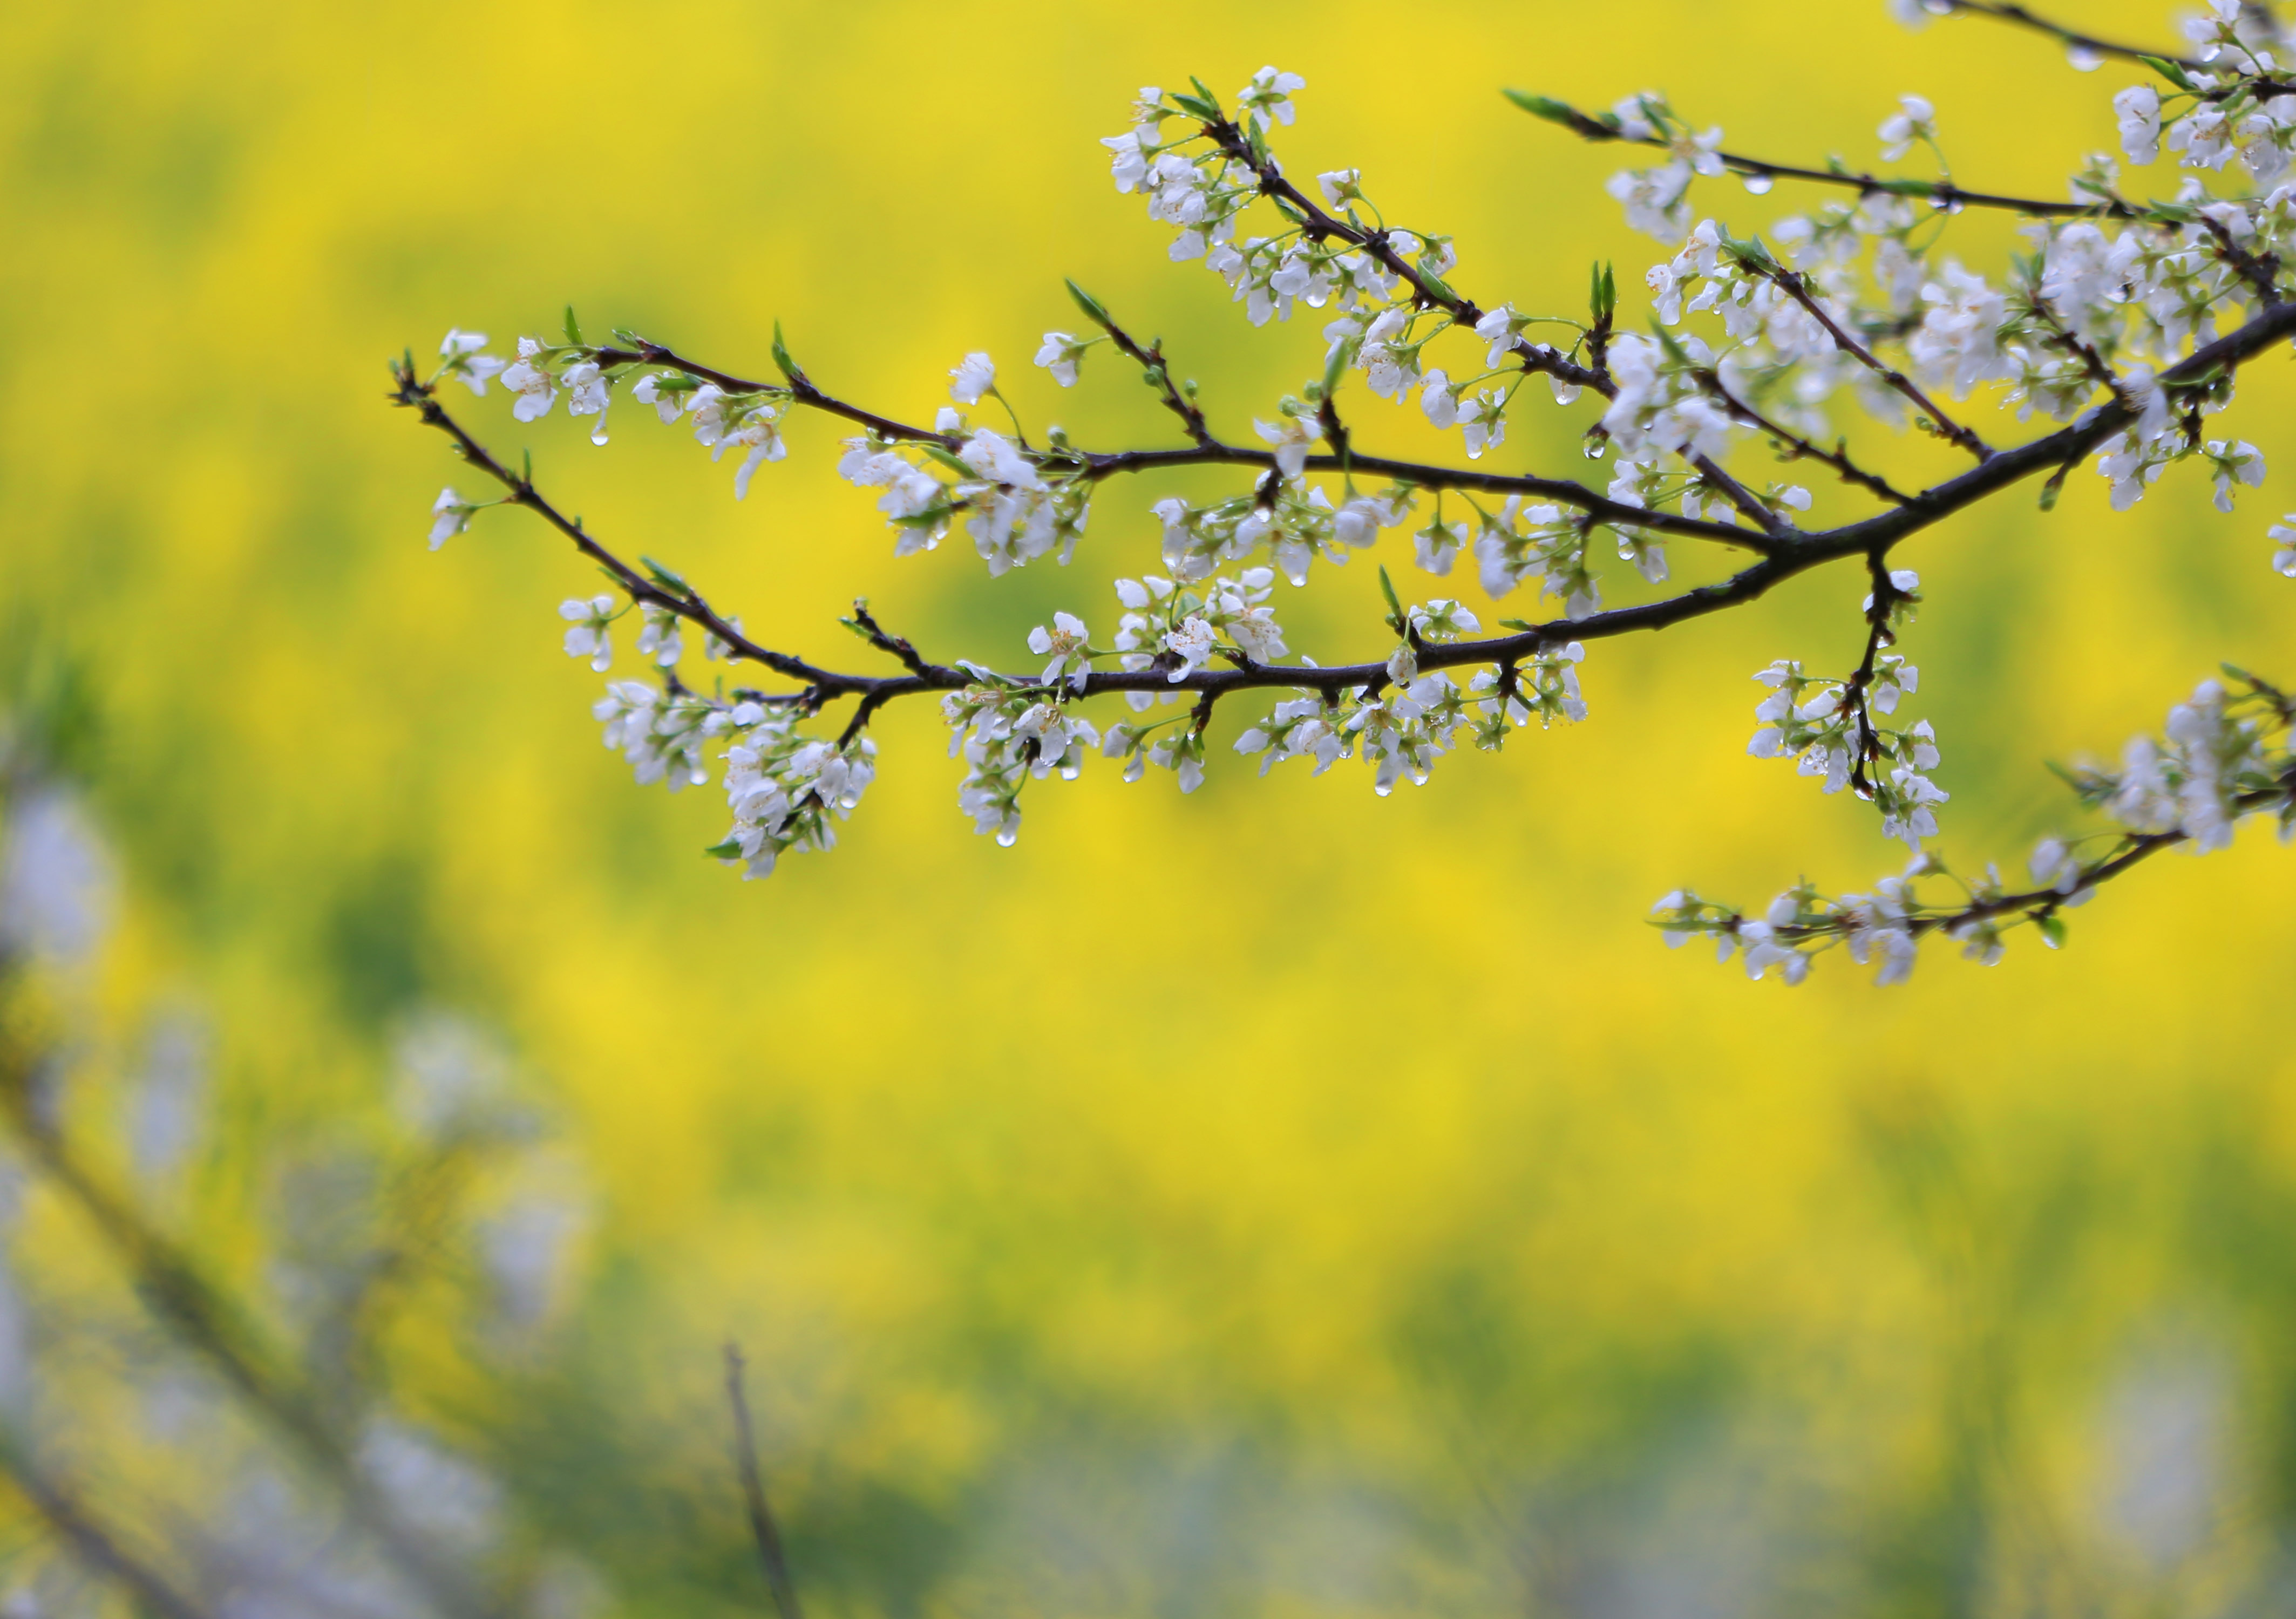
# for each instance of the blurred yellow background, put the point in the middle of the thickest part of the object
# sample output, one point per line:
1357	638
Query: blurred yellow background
1278	1200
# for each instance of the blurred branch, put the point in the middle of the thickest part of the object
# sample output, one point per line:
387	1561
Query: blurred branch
213	1325
762	1527
94	1544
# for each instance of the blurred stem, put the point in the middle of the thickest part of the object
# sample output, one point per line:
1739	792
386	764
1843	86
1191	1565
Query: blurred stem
762	1527
93	1543
212	1323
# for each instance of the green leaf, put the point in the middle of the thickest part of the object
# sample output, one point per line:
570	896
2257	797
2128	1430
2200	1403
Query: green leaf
1197	107
2052	929
2170	71
1546	107
1335	368
1394	606
1093	310
789	367
573	330
731	849
665	578
949	460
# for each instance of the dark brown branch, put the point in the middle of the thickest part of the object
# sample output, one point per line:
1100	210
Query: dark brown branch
1784	559
1881	597
2259	273
1209	451
1151	360
1430	293
1796	286
2036	905
686	604
1940	193
800	390
2071	37
763	1530
1798	448
1425	475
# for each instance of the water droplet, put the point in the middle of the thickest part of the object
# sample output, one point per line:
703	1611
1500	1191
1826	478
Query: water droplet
2086	59
1595	449
1760	184
1007	839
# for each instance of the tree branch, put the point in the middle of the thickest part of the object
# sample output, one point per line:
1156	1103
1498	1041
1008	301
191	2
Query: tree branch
210	1323
1796	286
92	1543
1784	557
763	1530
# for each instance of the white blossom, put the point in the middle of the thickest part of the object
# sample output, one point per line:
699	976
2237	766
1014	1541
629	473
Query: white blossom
450	514
2138	110
972	377
1059	355
1067	644
1915	120
464	359
1268	98
588	634
536	388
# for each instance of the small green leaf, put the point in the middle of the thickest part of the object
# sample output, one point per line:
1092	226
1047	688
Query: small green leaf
1203	110
1092	307
666	577
573	331
788	366
731	849
2052	929
2170	71
1546	107
1335	368
949	460
1394	606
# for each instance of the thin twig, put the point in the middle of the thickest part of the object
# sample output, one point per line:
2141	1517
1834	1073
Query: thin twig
1796	286
762	1528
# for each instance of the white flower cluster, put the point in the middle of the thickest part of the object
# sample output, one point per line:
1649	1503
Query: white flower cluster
1755	338
785	790
1180	628
1827	727
2192	781
1399	733
2225	756
1009	734
1657	200
1014	513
